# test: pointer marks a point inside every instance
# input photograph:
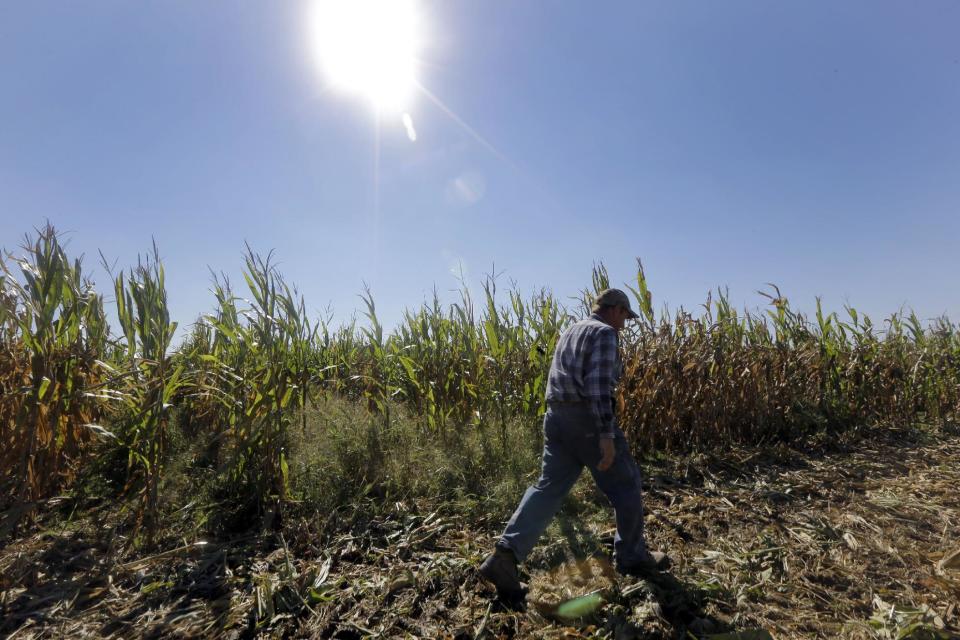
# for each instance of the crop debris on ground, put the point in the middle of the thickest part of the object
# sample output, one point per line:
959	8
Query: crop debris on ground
854	542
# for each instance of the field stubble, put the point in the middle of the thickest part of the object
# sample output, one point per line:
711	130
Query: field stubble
849	541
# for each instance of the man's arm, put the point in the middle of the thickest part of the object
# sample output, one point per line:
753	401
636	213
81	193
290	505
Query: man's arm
598	380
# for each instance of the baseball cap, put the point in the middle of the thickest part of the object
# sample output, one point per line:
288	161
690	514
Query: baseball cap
614	298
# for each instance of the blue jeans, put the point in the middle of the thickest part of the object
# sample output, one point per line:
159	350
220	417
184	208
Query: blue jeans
570	444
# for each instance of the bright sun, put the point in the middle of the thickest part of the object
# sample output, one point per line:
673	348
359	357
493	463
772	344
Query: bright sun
368	47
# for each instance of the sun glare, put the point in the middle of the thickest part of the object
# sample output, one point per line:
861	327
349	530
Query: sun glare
368	47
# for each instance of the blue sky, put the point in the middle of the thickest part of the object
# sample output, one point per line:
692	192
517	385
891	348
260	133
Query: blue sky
815	145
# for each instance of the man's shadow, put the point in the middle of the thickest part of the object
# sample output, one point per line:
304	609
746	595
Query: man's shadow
681	604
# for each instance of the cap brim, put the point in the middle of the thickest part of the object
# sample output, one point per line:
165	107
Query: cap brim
633	314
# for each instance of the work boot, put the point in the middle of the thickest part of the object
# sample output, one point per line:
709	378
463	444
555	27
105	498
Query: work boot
500	569
653	562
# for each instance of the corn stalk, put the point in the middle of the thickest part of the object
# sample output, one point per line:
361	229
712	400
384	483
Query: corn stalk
53	330
148	379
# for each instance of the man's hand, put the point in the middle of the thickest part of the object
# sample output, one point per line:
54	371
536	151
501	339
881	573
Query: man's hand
607	452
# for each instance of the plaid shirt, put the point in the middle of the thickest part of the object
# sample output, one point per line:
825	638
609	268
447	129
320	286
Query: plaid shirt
586	368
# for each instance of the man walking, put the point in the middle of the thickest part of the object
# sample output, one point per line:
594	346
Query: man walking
580	431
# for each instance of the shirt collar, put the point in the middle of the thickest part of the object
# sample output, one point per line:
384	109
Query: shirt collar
596	316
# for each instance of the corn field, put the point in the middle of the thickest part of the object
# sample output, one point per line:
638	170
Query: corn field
72	391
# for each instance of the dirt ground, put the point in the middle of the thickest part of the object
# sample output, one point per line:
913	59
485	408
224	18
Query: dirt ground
852	541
